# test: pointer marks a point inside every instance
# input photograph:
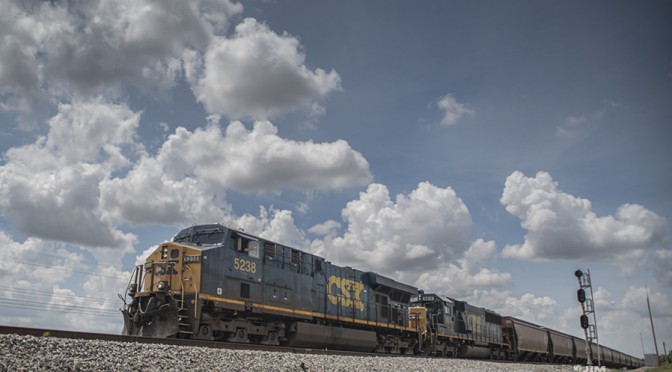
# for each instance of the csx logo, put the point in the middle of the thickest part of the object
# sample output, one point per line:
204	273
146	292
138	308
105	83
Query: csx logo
345	291
163	269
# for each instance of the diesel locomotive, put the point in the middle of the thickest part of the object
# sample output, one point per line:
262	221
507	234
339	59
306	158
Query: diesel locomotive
212	282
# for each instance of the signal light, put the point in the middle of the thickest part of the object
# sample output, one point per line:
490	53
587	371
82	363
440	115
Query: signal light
578	273
581	295
584	321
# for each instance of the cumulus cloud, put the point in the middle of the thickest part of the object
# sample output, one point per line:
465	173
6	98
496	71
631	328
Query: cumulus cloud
34	262
660	260
148	195
33	275
560	225
414	231
327	228
468	275
258	73
65	50
272	224
453	110
635	300
185	181
541	310
620	319
63	186
53	51
49	189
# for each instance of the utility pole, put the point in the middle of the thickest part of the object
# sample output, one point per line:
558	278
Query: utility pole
655	343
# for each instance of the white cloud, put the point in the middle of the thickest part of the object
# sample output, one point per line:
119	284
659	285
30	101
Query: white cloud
632	311
187	179
142	257
561	225
635	300
453	110
468	275
49	189
148	195
272	224
414	232
660	261
258	73
34	263
326	228
540	310
64	50
33	277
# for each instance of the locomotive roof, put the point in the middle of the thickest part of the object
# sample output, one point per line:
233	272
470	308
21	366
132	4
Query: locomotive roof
206	229
424	297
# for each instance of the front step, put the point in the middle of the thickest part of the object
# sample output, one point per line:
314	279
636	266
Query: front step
182	320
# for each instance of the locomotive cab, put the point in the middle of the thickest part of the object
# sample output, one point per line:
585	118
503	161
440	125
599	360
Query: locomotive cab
158	292
439	311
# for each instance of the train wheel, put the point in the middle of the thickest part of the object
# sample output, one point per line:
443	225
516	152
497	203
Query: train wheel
240	336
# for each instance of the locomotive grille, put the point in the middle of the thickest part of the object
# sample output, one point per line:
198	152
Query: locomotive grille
269	250
296	257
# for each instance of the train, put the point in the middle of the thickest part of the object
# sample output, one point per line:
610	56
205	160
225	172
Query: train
217	283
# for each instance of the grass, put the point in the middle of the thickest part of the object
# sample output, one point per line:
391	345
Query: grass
664	368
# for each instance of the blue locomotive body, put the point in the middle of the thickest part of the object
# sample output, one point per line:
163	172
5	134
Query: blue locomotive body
254	290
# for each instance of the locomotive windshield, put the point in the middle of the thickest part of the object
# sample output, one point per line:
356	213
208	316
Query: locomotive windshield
201	235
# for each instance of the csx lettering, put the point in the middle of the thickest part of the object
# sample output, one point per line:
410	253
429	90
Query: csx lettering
347	292
162	269
244	265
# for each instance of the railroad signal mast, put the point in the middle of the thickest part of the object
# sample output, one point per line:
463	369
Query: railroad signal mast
588	307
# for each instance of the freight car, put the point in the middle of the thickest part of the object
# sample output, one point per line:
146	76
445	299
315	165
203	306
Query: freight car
216	283
532	342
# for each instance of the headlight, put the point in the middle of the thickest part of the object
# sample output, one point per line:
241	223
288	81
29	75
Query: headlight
162	286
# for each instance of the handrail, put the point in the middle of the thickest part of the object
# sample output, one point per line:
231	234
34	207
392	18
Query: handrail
196	297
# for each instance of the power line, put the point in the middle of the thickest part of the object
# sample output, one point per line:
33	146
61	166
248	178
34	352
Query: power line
63	269
75	309
48	295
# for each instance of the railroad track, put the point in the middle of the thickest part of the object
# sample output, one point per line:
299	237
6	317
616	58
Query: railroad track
43	332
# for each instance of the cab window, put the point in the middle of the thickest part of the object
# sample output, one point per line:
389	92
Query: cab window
246	246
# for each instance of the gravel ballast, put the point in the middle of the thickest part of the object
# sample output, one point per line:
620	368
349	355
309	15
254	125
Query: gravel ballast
29	353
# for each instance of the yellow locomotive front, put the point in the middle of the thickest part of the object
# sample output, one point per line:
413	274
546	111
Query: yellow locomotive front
159	291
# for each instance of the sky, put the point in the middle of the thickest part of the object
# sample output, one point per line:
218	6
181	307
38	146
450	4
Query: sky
483	150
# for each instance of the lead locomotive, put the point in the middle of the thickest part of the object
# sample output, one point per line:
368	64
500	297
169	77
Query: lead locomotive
216	283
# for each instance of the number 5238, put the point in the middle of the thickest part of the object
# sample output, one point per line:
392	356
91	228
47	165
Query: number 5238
244	265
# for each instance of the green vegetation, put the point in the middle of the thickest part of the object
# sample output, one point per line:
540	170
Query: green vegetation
663	368
665	362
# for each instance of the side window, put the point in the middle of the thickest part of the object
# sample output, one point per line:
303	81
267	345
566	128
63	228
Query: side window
247	246
253	248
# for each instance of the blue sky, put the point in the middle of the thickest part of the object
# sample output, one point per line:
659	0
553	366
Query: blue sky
484	150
